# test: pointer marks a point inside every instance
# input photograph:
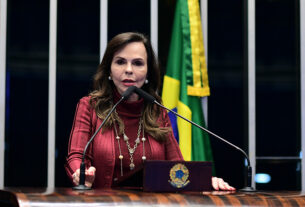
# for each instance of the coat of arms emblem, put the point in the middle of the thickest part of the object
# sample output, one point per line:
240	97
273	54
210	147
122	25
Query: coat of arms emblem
179	176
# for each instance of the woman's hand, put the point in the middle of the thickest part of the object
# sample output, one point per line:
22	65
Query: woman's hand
220	184
90	176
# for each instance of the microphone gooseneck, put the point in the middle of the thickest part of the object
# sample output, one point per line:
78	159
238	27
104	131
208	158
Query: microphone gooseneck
82	169
248	179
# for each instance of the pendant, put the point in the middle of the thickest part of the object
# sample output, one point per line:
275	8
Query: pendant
131	151
125	138
131	166
137	140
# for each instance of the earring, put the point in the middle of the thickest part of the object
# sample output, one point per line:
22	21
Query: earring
146	81
109	78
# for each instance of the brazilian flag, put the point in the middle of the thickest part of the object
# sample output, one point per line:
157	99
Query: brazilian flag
186	81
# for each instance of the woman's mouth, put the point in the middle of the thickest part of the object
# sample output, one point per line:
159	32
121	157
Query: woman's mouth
128	82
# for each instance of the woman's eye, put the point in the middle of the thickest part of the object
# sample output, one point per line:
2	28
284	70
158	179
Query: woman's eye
138	63
120	62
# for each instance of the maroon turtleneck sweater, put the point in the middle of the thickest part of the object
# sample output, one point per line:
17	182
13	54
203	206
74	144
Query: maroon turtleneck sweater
103	152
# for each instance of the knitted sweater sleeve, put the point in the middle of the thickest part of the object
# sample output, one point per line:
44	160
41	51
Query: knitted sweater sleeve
79	137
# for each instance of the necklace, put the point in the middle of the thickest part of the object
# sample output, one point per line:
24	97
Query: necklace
131	150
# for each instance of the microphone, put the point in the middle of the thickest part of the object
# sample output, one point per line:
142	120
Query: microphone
248	188
82	177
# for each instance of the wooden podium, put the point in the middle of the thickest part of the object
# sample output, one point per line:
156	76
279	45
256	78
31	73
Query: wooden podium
65	197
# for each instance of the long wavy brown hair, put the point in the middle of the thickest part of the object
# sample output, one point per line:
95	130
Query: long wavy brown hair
103	88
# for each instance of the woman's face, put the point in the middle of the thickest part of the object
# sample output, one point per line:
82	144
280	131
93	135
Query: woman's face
129	67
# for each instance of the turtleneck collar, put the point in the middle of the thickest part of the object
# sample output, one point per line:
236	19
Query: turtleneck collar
128	108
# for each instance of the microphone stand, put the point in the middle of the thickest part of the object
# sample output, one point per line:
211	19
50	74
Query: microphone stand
82	171
248	180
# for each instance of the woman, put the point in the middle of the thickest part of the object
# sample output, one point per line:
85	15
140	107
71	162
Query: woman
136	131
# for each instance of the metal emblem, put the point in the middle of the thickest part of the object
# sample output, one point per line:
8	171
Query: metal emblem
179	176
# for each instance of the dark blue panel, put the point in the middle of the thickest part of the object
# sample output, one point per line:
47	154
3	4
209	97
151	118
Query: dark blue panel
27	93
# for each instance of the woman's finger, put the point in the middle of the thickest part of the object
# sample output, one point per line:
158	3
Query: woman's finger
75	177
90	176
91	171
215	183
220	184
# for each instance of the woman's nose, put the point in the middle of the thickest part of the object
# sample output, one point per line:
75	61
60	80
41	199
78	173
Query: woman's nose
128	68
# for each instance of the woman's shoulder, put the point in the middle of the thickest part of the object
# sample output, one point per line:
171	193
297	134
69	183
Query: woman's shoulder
86	101
163	117
163	112
85	104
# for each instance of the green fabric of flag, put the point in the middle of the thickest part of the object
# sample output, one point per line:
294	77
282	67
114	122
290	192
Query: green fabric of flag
186	81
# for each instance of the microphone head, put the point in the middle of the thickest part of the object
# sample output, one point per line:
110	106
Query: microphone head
128	92
145	95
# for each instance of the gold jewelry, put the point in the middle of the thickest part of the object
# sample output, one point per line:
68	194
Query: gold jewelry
130	149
